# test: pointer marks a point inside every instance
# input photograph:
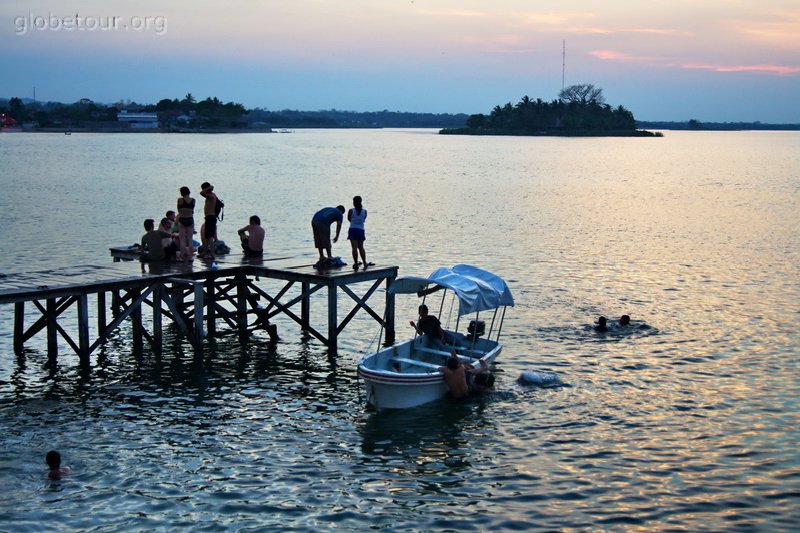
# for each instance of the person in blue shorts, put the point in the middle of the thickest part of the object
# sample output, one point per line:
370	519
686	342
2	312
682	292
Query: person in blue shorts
356	234
321	226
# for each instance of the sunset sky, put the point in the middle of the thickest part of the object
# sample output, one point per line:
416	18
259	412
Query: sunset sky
711	60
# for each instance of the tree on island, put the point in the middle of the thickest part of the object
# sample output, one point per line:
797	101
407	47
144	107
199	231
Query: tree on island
579	110
584	94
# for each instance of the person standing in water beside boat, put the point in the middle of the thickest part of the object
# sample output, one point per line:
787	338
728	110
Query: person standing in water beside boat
356	234
186	223
464	380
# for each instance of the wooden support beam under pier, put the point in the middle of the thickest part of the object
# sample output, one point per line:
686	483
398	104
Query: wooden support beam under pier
192	295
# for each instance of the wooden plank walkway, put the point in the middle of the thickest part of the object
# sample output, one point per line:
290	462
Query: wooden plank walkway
192	294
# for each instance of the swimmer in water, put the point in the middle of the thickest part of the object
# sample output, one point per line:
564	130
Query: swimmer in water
53	460
601	324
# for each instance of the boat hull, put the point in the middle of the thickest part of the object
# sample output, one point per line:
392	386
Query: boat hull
407	374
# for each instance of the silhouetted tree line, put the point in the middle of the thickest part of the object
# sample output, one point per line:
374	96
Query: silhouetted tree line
696	125
48	114
189	113
334	118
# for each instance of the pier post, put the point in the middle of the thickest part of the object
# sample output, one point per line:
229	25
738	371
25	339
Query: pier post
333	343
52	331
157	318
305	307
211	314
389	313
19	327
242	292
136	319
83	329
116	304
101	311
198	315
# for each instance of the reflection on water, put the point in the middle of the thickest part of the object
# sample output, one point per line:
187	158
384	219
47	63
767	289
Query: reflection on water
685	420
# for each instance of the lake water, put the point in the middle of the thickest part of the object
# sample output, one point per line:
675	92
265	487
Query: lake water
688	423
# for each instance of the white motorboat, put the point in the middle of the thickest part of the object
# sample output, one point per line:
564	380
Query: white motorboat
408	373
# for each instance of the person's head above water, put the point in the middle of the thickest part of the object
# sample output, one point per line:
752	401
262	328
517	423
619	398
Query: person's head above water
624	320
53	459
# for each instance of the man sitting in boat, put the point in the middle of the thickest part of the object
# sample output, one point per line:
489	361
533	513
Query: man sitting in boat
430	327
463	380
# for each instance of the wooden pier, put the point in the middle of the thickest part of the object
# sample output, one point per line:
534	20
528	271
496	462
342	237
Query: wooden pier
200	300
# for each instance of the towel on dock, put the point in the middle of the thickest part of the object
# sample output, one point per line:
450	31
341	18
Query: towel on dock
333	262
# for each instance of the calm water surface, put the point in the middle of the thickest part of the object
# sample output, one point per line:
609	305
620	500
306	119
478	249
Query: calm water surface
689	423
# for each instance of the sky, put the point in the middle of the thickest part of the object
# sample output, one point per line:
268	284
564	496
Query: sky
708	60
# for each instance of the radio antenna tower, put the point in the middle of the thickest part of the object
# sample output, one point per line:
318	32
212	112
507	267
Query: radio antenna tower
563	61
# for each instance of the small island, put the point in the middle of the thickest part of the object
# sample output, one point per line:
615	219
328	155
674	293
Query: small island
579	111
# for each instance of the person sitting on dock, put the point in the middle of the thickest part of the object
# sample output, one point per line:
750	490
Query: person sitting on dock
170	245
210	224
252	237
321	226
171	216
430	327
152	247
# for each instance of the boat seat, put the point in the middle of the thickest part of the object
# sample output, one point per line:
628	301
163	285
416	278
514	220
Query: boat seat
446	355
422	349
415	363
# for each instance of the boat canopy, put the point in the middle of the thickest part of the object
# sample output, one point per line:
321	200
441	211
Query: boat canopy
477	289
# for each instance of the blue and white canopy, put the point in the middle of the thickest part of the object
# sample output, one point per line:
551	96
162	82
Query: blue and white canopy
476	289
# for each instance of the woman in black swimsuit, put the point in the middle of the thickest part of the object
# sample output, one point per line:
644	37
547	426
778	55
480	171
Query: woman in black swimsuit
186	223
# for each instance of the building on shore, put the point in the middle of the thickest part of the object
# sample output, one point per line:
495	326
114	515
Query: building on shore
139	120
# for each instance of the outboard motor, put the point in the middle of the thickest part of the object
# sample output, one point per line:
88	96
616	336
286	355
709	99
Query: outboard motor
476	329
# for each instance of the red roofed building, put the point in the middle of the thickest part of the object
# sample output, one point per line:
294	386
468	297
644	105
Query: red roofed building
7	122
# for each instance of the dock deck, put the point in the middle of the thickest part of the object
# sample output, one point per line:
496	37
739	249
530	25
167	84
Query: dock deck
192	294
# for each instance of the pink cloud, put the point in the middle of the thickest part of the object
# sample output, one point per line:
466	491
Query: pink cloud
780	70
622	57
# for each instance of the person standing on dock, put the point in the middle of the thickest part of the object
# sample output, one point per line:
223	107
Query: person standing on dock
186	223
210	224
321	226
356	234
252	237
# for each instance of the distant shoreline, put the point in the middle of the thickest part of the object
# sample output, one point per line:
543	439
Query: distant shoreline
549	133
